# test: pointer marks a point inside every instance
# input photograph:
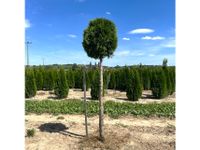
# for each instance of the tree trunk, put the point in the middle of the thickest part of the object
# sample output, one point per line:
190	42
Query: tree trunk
85	103
101	135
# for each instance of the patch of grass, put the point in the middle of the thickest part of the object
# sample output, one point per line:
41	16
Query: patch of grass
30	132
112	109
60	117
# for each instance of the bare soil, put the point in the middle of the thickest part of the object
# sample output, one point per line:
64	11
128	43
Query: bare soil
66	132
113	95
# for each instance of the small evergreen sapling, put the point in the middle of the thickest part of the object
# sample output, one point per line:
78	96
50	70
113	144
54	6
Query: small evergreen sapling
61	86
134	87
30	84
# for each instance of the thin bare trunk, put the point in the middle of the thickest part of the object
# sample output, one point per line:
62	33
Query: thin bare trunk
101	110
85	104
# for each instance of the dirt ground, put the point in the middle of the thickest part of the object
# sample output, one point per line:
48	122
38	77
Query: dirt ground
113	95
124	133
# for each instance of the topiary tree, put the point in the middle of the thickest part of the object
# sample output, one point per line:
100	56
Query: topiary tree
134	86
30	84
61	86
100	41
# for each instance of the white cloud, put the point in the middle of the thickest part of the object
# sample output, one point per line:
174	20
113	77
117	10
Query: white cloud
151	55
141	31
140	54
27	24
108	13
170	43
123	53
126	39
129	53
137	53
153	38
72	35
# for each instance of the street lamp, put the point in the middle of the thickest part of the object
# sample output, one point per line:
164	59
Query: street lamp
27	43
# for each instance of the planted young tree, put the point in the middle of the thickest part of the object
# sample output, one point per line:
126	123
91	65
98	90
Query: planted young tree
61	86
100	41
134	86
30	84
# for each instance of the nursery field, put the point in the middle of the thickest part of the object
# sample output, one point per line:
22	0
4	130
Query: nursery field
66	132
148	124
139	108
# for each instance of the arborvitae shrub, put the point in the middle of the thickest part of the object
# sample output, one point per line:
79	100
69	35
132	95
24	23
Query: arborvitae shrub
49	79
95	86
168	81
146	79
134	87
61	86
123	78
172	78
78	78
70	78
90	77
106	80
112	83
117	78
140	72
30	85
159	85
39	79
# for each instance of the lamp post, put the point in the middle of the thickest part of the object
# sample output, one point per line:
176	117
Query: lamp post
27	52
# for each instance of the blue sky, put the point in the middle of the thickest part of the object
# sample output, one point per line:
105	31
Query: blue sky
146	30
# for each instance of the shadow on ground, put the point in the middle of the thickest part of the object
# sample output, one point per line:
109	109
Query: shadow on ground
59	128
